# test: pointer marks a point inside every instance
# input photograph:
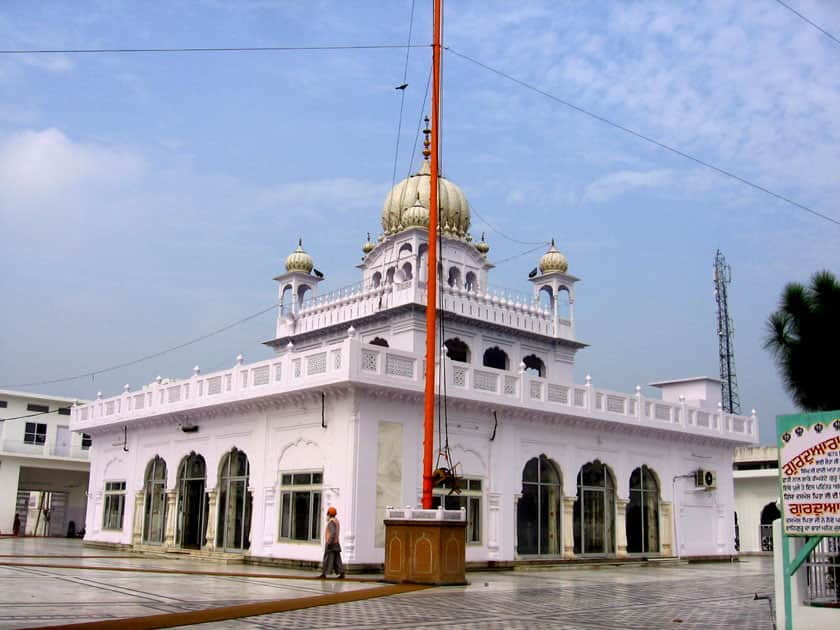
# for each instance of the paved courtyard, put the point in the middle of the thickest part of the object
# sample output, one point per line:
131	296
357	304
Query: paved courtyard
119	585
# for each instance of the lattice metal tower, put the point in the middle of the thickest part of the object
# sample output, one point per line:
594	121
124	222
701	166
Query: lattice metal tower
726	332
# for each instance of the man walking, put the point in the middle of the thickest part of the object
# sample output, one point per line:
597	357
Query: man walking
332	548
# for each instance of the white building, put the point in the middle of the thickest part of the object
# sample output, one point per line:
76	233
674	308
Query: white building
756	496
246	460
43	466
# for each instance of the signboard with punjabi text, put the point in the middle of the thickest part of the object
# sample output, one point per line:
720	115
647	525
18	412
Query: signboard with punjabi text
809	473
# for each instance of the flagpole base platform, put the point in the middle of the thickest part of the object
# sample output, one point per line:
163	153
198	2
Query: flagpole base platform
425	546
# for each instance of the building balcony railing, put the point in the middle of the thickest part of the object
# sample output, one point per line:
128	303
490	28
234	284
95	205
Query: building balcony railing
499	306
46	449
352	361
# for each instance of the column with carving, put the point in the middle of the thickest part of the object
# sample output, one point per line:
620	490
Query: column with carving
169	531
494	523
210	540
568	526
137	533
666	531
621	527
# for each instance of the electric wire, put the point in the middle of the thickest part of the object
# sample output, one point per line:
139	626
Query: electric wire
147	357
519	255
642	136
402	97
224	49
32	415
805	19
502	234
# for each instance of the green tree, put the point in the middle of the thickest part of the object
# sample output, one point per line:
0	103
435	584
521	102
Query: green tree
804	337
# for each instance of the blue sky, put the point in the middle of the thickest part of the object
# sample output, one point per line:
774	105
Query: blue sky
146	199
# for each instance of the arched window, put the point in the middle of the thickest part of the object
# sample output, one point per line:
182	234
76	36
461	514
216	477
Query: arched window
471	282
192	502
154	513
454	277
405	250
304	292
642	517
546	299
457	350
564	303
376	280
539	508
286	299
406	270
534	365
234	502
497	358
769	513
389	275
378	341
594	515
422	261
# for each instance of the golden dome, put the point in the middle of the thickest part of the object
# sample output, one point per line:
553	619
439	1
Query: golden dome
553	260
416	216
482	246
368	247
454	211
299	260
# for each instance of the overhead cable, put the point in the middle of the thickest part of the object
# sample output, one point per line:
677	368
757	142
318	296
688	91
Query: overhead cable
502	234
226	49
402	87
118	366
648	139
815	25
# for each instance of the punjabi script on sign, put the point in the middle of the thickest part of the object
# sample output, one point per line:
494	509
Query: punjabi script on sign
811	489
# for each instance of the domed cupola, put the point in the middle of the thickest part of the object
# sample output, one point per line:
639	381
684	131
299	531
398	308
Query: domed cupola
416	216
553	260
299	260
454	215
368	247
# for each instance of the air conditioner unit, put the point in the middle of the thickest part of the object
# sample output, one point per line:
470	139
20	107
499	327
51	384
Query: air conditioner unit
706	479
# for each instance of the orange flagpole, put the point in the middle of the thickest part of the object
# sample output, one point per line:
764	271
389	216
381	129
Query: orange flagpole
431	283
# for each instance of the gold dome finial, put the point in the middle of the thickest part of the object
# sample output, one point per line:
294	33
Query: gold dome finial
368	247
553	261
426	141
299	260
482	246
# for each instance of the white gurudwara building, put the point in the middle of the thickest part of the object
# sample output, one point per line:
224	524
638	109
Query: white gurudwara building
246	460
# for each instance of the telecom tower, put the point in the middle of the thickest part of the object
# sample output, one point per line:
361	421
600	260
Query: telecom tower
725	331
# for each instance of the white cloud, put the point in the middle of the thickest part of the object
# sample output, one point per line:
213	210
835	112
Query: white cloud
340	195
619	182
47	166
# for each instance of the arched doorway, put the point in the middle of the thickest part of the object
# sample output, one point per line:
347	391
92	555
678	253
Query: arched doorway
642	517
154	511
539	508
534	366
769	513
192	502
594	516
495	357
457	350
234	503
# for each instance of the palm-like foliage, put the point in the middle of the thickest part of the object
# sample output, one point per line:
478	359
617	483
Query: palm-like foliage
804	336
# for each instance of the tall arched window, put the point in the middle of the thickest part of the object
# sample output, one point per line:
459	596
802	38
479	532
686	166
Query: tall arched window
534	365
539	508
234	502
454	277
376	280
546	298
192	502
389	275
379	341
564	303
406	270
405	250
154	513
642	517
286	300
497	358
471	282
457	350
422	261
304	293
594	516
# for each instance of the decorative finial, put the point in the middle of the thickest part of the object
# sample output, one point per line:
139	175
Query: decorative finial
552	241
196	370
426	141
300	242
368	247
239	359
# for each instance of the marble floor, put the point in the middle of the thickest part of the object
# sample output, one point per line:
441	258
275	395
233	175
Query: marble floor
116	585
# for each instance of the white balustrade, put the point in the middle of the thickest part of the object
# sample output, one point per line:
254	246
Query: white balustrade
355	361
